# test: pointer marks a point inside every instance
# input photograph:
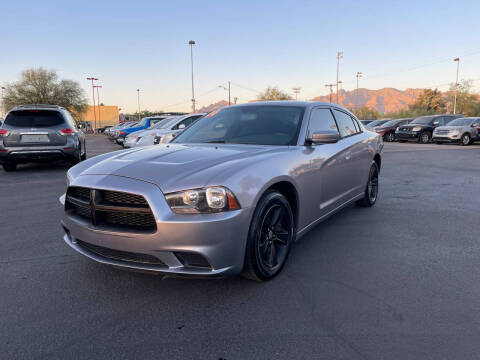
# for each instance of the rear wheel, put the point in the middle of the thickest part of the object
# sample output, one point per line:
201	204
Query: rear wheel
371	190
390	137
84	155
10	167
270	237
466	139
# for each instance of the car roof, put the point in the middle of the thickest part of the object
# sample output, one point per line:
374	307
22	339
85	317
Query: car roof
37	107
304	104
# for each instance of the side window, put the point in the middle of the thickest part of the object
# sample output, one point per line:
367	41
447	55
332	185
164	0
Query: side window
439	121
476	122
321	120
357	125
345	123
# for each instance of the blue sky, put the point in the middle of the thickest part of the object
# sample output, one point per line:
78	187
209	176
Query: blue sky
143	44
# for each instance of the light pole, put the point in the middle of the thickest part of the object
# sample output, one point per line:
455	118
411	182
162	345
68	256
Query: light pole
191	43
227	89
339	91
296	91
331	90
456	85
98	102
138	100
339	56
3	103
93	96
359	75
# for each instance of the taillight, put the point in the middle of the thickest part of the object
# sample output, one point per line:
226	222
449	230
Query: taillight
122	132
67	131
3	133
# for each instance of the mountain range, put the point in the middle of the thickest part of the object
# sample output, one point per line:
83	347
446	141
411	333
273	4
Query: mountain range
384	100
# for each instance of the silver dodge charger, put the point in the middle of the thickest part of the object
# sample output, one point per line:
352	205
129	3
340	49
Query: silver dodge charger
229	195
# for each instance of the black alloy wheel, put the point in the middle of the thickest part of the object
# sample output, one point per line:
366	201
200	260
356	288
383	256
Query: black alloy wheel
270	237
371	190
390	137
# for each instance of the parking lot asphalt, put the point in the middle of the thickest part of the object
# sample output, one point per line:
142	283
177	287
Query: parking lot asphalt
396	281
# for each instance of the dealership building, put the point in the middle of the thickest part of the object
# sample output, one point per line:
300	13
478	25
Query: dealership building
106	115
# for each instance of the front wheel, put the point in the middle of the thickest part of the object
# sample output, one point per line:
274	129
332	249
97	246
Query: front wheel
466	139
371	190
270	237
424	138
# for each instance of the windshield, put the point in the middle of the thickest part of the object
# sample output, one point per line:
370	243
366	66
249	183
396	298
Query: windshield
169	122
461	122
255	124
377	123
390	123
423	120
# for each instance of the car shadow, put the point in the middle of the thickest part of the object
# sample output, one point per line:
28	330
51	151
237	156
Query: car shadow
39	167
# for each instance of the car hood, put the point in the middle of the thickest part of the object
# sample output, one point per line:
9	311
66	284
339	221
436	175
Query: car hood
169	166
453	127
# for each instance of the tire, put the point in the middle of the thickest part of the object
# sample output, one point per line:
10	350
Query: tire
9	167
83	157
465	140
270	237
424	138
371	190
389	137
77	157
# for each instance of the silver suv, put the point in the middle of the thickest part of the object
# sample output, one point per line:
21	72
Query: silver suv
463	130
40	132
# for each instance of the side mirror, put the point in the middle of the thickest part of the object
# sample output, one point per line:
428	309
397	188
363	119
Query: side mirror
323	137
436	123
181	126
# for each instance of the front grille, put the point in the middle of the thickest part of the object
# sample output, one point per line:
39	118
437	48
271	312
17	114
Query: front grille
116	197
442	132
121	255
107	208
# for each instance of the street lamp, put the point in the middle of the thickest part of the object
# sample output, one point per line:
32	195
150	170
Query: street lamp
227	89
339	56
456	85
331	90
191	43
93	96
296	91
98	102
3	102
359	75
138	100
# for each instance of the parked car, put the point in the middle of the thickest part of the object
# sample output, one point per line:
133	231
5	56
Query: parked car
230	194
170	130
112	131
116	133
366	122
143	124
387	130
462	130
376	123
40	132
131	139
421	128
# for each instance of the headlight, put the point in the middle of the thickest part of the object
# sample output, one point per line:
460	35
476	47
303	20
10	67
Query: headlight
417	128
69	178
167	138
204	200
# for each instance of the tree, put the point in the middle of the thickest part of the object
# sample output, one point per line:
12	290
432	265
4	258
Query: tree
273	93
42	86
466	101
431	101
365	113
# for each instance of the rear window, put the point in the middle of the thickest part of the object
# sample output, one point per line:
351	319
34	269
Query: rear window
34	118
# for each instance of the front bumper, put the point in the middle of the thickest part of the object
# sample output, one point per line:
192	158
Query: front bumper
219	238
446	137
407	136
